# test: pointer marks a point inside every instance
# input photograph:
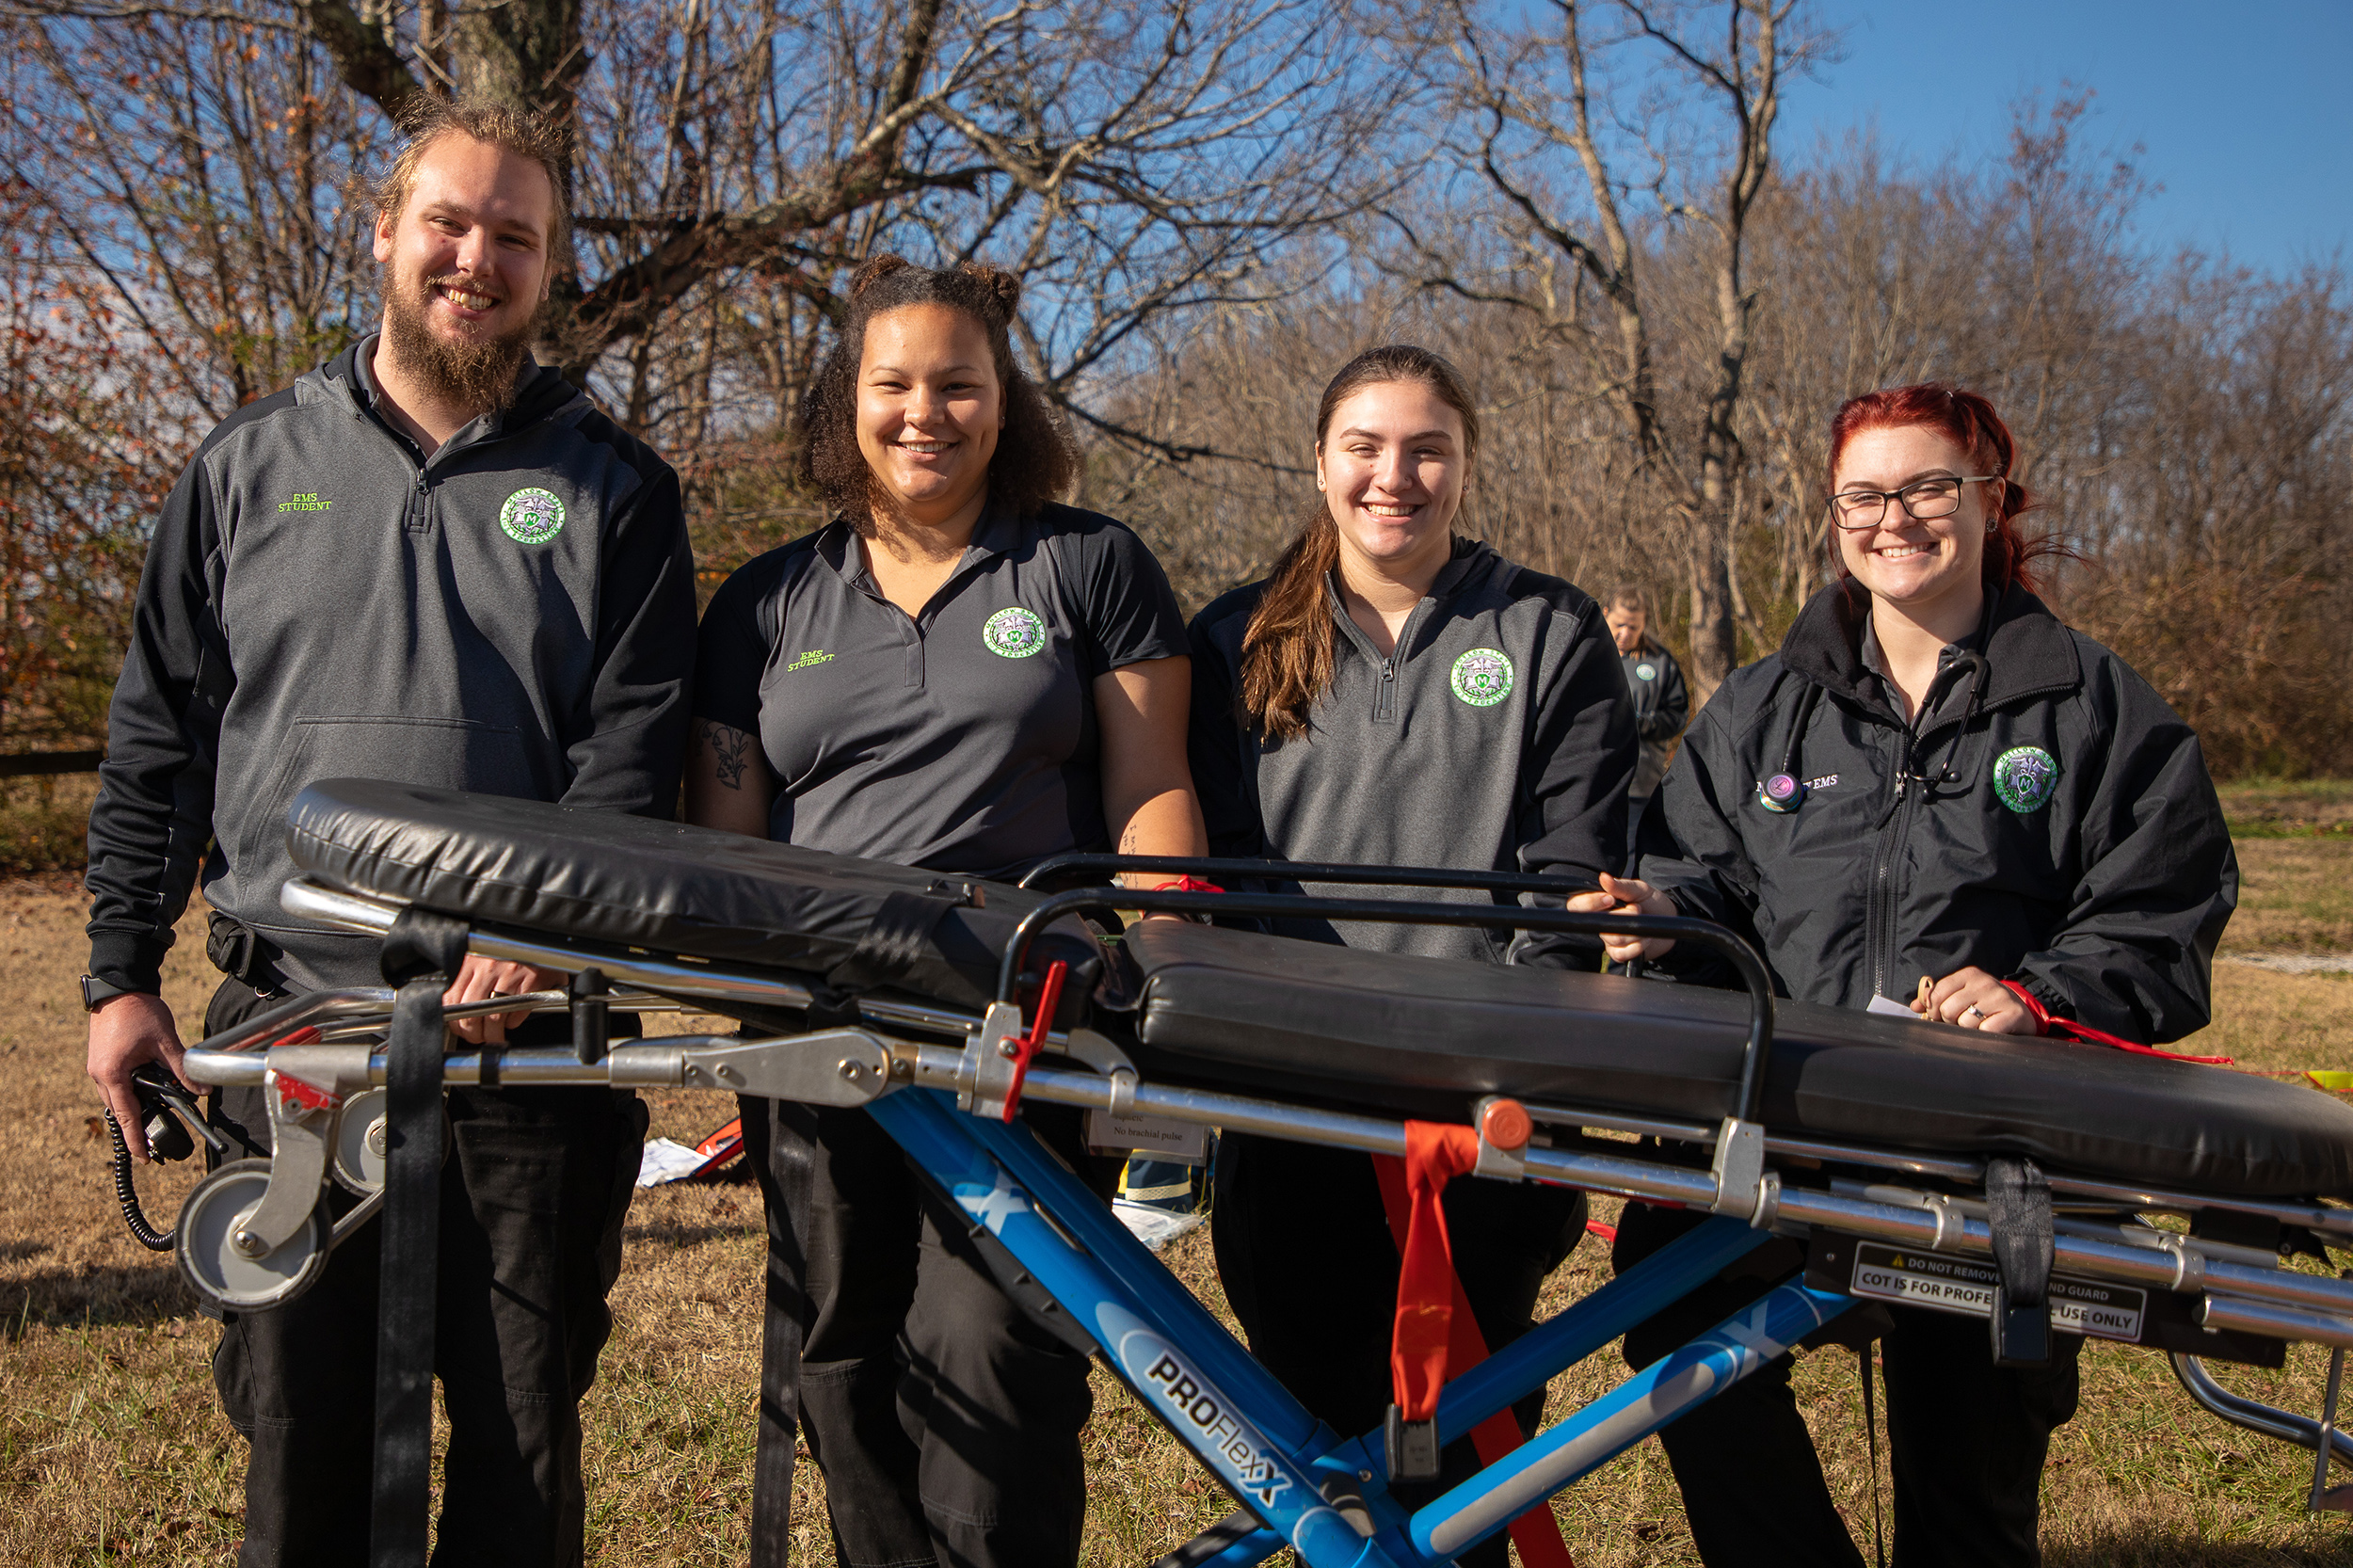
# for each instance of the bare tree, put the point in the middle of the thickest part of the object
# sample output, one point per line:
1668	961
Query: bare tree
1527	97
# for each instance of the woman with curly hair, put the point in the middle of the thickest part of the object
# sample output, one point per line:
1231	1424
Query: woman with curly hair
958	673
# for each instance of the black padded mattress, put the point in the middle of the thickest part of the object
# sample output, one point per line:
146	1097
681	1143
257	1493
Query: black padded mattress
670	888
1417	1036
1427	1036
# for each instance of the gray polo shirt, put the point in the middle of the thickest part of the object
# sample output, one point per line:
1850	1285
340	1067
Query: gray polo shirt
960	740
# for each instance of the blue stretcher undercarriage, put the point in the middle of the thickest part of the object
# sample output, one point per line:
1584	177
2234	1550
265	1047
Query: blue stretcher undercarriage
928	1001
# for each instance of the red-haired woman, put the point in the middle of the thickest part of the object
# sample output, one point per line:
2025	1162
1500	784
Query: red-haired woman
1935	795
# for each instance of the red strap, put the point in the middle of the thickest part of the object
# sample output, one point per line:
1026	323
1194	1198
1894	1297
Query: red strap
1049	998
1410	1190
1186	885
2084	1033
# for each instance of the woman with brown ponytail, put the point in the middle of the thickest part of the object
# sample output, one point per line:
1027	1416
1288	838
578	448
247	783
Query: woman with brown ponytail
955	673
1397	694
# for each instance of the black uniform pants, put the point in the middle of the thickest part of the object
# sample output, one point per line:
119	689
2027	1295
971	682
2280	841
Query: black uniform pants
532	1198
1310	1268
945	1420
1966	1439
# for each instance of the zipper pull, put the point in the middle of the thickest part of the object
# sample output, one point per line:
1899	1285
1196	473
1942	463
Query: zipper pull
1388	670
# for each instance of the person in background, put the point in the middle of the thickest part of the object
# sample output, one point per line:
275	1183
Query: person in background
1938	798
956	673
1655	681
1397	694
479	582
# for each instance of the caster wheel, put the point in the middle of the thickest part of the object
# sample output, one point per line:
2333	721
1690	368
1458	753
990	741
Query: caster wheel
360	1143
212	1262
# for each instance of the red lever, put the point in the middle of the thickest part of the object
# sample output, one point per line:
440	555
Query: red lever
309	1096
1048	996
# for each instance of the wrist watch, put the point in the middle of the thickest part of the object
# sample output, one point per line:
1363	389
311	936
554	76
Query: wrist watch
96	991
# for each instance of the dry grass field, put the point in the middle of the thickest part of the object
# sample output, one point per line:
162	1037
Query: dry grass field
111	1449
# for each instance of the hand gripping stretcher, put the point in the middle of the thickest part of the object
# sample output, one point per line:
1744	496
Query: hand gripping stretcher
2048	1186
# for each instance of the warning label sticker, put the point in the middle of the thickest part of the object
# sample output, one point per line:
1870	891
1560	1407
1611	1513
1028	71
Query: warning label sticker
1967	1284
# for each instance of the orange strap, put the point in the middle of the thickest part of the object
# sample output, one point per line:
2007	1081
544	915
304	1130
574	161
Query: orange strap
1436	1336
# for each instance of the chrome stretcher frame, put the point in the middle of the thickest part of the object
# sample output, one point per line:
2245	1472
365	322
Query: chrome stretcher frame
943	1084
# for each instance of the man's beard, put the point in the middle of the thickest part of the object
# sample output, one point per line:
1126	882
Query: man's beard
479	377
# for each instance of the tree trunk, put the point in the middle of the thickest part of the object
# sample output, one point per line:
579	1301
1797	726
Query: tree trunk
527	54
1715	631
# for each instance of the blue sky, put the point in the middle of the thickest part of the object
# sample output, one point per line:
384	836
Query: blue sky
2245	109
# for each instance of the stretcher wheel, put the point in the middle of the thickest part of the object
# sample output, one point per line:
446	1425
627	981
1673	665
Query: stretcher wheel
359	1142
220	1271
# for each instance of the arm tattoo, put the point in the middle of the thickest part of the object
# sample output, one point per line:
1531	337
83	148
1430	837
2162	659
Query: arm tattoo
729	749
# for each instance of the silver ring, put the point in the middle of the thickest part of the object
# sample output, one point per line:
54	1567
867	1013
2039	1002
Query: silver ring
1974	1008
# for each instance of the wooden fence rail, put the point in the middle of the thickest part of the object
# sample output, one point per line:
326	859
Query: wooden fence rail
25	764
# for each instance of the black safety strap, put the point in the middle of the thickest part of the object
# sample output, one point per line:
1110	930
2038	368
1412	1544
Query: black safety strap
897	940
2018	1213
791	1153
421	952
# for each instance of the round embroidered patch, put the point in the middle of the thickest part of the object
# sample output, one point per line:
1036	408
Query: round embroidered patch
1014	633
2025	776
1647	672
532	516
1481	677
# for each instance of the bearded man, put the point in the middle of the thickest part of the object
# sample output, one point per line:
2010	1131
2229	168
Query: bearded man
431	561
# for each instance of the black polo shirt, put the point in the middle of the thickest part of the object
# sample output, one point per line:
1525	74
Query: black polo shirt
960	740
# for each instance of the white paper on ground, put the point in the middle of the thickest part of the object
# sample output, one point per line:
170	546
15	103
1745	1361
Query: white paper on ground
1155	1227
666	1161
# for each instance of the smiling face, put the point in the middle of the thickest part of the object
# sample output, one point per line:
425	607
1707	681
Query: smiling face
929	411
1392	467
1914	564
466	266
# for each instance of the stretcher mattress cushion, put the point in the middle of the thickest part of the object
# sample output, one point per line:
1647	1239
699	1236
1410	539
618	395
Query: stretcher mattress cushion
597	876
1428	1037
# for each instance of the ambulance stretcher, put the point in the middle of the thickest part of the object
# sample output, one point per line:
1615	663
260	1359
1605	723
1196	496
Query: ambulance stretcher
2051	1187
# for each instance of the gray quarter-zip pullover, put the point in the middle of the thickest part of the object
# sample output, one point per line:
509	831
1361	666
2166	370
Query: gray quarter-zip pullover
514	615
1498	736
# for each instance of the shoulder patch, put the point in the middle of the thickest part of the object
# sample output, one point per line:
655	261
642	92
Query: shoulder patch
532	516
1014	633
2024	777
1482	677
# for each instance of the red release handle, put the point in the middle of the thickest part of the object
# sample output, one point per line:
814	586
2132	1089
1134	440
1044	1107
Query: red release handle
1048	996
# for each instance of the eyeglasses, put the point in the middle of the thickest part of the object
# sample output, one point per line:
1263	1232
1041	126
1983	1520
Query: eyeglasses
1922	500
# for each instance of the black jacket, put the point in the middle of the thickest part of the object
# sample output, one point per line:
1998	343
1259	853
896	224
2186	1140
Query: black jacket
1497	737
2102	892
513	616
1661	705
